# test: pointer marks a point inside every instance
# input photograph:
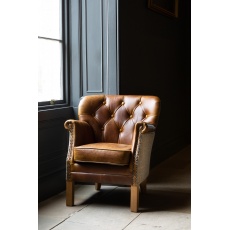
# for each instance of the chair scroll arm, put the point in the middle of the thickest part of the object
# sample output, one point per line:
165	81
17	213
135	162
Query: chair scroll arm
80	133
148	128
69	125
141	127
85	136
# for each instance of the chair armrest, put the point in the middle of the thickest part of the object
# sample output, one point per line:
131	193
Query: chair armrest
142	148
86	136
141	127
146	128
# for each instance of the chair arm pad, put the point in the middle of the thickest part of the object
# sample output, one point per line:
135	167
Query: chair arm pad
148	128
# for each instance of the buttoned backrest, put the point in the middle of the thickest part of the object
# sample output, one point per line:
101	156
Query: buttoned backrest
113	117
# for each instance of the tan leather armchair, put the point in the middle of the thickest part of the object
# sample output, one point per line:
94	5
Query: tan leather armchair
111	143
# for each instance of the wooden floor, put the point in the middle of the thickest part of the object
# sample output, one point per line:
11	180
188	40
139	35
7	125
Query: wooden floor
165	206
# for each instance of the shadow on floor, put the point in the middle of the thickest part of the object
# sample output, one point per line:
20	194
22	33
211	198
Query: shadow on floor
168	188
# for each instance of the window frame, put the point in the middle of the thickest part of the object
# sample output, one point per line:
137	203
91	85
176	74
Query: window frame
44	105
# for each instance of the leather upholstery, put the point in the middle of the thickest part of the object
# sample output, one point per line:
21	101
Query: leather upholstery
107	153
113	117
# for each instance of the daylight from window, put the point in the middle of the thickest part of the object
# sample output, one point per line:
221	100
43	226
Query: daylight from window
50	78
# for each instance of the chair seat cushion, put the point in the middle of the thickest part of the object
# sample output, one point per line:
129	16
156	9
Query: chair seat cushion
103	153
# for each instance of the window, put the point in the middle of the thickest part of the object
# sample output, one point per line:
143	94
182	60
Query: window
52	53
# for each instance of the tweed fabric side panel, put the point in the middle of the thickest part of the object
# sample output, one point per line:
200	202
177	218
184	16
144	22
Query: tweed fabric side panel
142	157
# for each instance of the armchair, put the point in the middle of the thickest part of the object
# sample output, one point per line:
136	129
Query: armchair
111	143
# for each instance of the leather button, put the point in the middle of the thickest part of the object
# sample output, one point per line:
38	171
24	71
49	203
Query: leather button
140	103
112	115
131	116
122	102
104	102
120	130
146	115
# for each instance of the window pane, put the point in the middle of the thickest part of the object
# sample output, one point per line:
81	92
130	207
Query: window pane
50	19
50	81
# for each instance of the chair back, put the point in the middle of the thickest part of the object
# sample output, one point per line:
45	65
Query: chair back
113	117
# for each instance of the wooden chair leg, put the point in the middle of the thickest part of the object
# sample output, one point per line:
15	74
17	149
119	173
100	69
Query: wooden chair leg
97	186
134	201
143	186
69	193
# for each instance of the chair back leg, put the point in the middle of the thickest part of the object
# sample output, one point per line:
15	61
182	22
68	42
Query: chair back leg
97	186
143	186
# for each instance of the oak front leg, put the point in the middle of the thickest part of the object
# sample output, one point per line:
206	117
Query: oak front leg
69	193
134	201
